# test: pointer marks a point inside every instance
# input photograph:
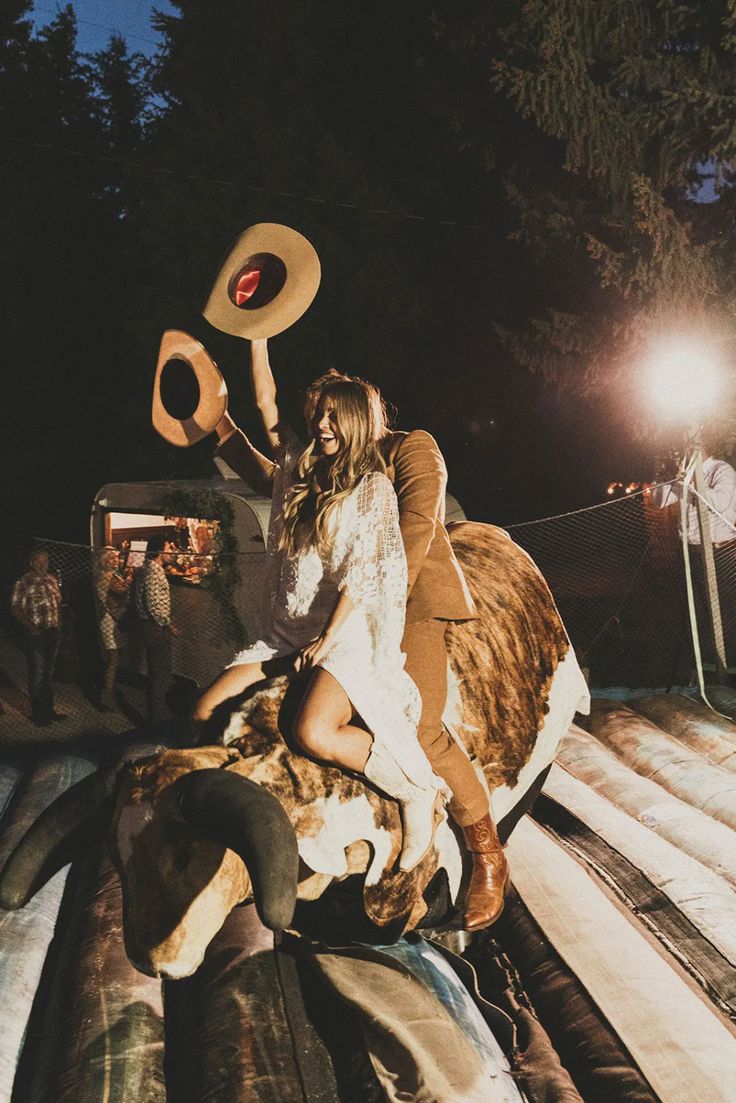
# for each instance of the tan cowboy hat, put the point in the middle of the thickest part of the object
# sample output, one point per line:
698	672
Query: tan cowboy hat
179	346
268	280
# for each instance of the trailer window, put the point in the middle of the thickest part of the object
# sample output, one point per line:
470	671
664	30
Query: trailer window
191	544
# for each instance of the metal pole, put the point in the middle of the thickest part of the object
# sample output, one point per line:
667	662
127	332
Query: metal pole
711	588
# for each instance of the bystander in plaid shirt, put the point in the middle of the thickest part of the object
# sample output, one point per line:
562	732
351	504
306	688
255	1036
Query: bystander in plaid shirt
36	602
151	594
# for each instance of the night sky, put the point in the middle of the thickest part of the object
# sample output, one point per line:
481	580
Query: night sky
98	19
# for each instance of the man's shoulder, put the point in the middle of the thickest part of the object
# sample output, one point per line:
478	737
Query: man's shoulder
416	436
413	440
723	467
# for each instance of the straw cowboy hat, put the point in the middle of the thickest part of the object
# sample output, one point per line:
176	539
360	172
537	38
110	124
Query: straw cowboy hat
179	346
267	281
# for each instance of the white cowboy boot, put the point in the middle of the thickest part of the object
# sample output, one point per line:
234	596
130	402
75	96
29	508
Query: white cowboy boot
421	808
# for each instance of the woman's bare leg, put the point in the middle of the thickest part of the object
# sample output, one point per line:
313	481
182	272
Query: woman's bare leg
322	727
231	683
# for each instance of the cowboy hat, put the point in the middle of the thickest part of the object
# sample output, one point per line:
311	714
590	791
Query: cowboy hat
179	346
267	281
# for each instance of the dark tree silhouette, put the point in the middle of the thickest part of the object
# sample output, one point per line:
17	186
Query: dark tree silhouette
487	185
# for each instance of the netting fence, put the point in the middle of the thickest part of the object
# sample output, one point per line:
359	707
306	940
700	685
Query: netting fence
615	571
617	574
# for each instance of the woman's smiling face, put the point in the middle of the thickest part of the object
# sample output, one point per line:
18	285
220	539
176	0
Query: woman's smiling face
325	429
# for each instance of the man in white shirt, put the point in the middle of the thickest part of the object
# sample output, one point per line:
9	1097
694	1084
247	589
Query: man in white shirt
719	494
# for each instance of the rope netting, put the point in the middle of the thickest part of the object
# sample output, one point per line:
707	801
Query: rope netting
615	570
617	574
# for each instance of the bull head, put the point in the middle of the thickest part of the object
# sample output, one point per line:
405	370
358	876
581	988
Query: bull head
190	838
192	835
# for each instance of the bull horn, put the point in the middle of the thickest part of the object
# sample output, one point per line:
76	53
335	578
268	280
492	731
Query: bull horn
62	830
248	819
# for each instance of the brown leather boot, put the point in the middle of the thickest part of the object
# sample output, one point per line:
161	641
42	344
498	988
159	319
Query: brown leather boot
490	874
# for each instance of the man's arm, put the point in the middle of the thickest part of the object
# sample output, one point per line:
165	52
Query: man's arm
420	482
17	602
246	461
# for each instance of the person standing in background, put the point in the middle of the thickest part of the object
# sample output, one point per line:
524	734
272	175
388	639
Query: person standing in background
111	592
719	495
152	607
36	605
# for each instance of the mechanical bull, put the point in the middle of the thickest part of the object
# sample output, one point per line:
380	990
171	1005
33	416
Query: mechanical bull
195	832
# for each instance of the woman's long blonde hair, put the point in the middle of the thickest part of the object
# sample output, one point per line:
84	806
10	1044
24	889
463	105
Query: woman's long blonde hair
324	481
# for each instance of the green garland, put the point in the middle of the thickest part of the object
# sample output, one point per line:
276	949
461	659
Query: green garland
210	505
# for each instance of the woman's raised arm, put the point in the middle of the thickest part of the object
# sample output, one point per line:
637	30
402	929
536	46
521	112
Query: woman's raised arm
264	390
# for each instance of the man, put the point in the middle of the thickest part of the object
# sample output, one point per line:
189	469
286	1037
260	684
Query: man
36	605
720	497
437	595
152	607
720	494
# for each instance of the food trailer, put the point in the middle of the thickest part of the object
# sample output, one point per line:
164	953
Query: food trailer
215	559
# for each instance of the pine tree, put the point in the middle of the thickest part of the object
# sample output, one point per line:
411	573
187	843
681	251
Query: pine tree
67	262
121	95
635	105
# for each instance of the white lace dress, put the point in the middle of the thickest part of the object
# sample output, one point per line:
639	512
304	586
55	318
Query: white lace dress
366	558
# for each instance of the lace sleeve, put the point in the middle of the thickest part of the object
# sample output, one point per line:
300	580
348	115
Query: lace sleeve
374	569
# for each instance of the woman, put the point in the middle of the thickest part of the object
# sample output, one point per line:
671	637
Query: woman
338	585
111	589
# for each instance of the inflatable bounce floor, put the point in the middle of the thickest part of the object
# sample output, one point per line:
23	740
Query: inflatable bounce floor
610	977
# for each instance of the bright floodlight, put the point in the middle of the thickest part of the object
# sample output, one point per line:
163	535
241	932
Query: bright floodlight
683	379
